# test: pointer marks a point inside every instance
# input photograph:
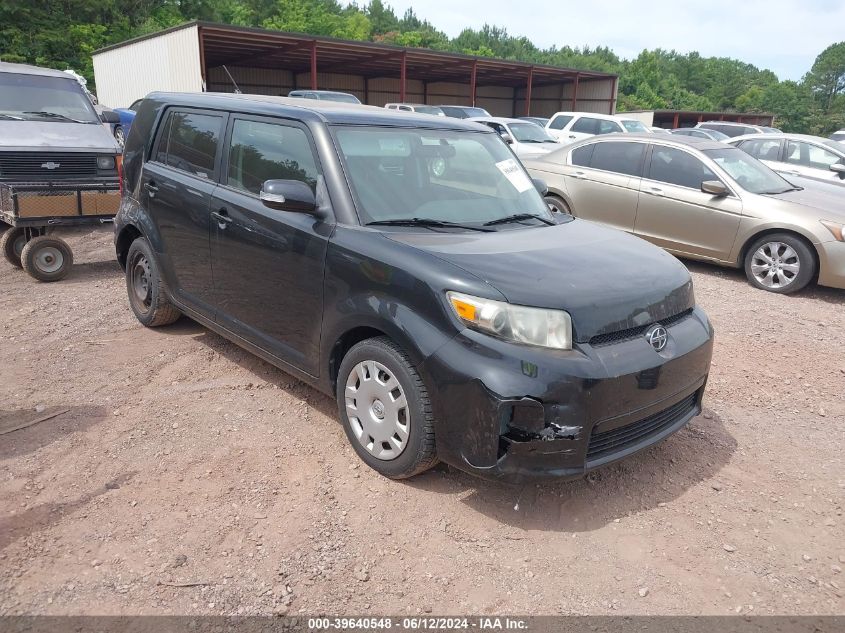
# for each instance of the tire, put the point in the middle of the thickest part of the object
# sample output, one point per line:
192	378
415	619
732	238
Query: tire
47	258
382	362
780	262
12	242
557	205
148	296
120	136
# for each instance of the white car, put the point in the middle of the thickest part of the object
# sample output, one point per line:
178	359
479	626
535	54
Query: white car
838	136
415	107
525	138
797	155
568	127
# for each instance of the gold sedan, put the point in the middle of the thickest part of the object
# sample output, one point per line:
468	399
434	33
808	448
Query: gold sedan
703	200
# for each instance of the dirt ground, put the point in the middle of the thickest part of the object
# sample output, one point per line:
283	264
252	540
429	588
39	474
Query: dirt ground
187	476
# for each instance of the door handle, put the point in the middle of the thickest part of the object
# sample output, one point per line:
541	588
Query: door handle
656	192
151	188
578	174
572	136
222	217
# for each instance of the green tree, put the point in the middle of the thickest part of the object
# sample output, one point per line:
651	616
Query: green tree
827	76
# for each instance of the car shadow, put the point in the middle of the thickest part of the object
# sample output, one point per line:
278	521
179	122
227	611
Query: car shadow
20	524
31	438
812	291
664	472
640	483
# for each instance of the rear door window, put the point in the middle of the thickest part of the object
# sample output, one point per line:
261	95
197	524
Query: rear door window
188	142
618	157
677	167
809	155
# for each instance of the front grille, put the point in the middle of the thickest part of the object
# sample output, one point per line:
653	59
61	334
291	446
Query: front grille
634	332
615	440
30	165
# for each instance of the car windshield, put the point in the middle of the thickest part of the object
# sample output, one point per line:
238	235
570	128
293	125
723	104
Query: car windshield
471	112
530	133
838	146
748	172
716	135
40	98
444	175
635	127
428	109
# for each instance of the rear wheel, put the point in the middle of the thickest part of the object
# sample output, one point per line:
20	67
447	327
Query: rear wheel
557	205
47	258
780	263
147	291
11	243
385	409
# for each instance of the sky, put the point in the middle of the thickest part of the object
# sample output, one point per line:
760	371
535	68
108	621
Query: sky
784	36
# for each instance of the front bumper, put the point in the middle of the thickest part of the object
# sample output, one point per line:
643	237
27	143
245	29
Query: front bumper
513	413
832	264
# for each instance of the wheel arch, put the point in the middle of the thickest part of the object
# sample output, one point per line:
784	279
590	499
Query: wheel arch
127	235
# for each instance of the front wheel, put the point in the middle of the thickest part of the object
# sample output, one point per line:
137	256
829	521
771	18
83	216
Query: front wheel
385	409
47	258
557	205
147	291
780	263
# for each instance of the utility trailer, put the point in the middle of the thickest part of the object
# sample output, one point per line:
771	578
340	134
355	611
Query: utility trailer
34	211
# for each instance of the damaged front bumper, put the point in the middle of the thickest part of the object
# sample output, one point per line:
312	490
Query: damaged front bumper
511	412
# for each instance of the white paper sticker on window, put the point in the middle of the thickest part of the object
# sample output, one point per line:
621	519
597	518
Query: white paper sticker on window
515	175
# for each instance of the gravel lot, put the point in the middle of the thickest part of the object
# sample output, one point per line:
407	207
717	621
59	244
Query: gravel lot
186	476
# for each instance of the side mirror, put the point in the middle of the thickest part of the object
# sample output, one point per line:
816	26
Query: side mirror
839	168
540	185
109	116
507	138
714	188
288	195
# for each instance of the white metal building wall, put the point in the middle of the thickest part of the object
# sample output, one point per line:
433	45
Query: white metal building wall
167	62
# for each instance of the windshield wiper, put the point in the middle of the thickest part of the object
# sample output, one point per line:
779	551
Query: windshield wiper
518	217
772	193
56	115
429	223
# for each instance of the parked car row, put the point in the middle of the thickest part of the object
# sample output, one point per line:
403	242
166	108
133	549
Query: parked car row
705	200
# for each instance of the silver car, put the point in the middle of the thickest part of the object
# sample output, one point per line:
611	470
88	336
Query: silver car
703	200
797	155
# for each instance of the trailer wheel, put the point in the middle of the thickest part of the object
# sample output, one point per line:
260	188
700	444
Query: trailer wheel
47	258
12	242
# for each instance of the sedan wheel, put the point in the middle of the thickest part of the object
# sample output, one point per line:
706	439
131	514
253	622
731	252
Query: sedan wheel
556	205
780	262
775	265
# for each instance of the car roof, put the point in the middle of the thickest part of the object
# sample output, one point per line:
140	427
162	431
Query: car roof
663	139
496	119
820	140
735	123
309	109
413	105
26	69
595	115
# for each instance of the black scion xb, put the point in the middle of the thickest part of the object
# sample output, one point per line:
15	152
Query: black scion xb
407	265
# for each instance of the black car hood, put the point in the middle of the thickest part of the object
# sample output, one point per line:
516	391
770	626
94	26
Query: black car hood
606	279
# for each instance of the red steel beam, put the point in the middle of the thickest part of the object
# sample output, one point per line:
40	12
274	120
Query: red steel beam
314	65
403	77
472	82
528	91
676	120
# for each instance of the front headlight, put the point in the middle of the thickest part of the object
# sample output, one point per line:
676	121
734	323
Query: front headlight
520	324
105	162
837	228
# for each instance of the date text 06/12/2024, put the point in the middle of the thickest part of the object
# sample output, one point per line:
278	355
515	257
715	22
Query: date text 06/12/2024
483	623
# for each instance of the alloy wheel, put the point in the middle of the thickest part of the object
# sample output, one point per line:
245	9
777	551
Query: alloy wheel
775	265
